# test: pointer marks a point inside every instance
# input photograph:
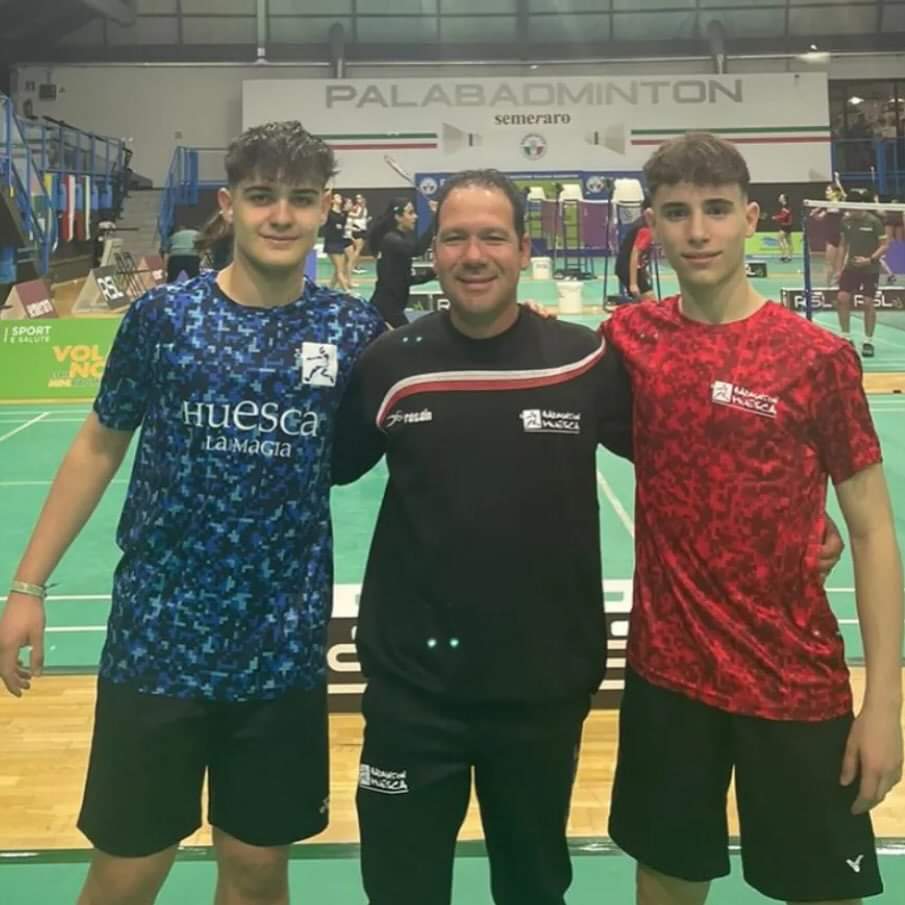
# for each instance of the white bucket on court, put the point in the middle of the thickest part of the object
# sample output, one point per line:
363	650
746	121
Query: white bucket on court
541	268
568	293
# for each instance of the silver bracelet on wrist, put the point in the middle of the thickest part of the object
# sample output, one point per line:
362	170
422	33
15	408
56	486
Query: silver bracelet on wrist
32	590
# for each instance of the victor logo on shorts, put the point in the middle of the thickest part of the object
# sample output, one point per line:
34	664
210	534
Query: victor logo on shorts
389	782
855	864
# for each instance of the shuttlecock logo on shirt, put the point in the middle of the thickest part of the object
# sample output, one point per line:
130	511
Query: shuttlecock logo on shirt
318	364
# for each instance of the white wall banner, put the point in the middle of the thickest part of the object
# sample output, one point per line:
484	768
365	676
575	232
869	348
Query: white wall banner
779	121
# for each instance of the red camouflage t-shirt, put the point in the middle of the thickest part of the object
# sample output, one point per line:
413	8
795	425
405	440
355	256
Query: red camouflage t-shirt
643	242
737	427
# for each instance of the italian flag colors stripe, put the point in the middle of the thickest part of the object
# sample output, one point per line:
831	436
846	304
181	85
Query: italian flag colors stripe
382	141
743	135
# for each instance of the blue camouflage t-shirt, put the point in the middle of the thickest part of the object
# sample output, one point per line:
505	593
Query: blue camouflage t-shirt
225	585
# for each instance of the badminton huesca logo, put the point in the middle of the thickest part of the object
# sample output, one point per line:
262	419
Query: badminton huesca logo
734	396
534	146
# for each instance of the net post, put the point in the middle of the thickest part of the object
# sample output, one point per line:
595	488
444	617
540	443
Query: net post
606	247
806	260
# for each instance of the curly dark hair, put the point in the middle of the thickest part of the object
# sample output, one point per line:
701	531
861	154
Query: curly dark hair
280	152
699	158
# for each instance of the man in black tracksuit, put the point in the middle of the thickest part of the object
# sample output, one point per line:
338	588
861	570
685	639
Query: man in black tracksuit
481	628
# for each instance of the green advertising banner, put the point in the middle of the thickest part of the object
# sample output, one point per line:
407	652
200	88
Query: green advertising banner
768	244
54	359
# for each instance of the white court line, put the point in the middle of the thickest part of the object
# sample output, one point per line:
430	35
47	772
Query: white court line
22	427
61	411
612	645
618	508
47	483
55	597
47	421
70	629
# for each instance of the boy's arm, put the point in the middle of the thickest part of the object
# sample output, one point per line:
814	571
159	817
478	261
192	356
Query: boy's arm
882	248
843	255
633	259
358	444
80	482
831	547
92	460
874	746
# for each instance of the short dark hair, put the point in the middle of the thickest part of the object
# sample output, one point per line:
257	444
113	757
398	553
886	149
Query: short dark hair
699	158
488	179
280	152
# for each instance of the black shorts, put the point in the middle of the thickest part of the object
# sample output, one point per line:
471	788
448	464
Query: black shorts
188	264
799	840
359	234
335	248
267	766
415	781
645	287
859	282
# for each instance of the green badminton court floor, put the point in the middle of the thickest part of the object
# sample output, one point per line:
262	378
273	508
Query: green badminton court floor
328	875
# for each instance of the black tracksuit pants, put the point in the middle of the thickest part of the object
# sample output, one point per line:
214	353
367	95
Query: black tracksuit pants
420	753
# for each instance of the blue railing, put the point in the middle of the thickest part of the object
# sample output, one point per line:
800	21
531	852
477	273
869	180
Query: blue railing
61	148
181	187
23	180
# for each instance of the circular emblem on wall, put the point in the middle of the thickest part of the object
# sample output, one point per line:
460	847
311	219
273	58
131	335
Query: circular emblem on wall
595	184
428	186
534	146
